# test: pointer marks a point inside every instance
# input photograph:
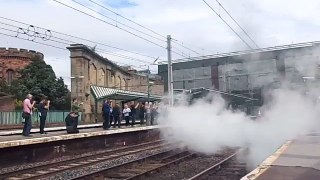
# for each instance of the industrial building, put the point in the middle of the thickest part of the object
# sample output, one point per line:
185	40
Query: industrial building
246	72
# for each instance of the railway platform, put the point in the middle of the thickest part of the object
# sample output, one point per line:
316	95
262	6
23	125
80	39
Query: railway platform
14	138
296	159
17	149
48	129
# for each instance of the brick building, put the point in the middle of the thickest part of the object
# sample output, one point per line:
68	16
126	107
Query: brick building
12	60
89	69
6	102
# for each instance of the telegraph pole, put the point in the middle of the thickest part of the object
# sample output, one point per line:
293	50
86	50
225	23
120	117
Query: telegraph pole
170	83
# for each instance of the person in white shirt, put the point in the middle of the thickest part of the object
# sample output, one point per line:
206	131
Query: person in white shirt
126	114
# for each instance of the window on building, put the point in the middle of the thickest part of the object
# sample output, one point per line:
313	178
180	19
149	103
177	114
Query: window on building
10	74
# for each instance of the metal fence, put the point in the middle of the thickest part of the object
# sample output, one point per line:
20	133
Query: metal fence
15	117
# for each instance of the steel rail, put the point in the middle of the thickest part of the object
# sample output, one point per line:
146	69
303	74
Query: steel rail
215	167
44	167
143	159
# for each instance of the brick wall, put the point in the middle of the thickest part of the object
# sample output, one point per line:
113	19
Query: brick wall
13	60
7	103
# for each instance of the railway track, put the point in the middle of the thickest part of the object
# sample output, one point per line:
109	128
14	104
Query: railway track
140	168
157	165
227	169
49	169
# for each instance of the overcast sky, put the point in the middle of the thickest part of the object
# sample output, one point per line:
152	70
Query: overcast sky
268	22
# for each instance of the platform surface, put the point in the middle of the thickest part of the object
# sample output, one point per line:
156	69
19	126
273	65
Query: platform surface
18	140
295	160
49	129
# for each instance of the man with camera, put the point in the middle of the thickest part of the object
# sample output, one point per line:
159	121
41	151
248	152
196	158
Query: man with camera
43	110
26	115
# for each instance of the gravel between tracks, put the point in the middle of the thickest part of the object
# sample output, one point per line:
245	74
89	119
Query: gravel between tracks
102	165
227	174
59	159
188	168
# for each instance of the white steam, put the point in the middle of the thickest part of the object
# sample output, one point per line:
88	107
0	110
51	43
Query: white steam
208	127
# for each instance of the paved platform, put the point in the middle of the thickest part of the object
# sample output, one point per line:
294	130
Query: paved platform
49	129
295	160
19	140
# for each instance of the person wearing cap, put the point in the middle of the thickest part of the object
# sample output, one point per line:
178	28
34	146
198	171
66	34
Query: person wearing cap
26	115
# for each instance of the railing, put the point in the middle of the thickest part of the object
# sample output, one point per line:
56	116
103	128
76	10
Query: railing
15	118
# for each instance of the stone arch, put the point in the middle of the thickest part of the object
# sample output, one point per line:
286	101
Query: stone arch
93	74
113	81
9	76
101	77
118	82
124	84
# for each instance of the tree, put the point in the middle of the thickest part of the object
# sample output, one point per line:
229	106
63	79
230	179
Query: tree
39	79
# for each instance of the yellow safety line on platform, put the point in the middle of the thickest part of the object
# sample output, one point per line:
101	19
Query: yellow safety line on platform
267	163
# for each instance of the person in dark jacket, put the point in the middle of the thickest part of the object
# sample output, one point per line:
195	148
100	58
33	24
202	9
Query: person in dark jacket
72	123
111	114
106	114
116	115
141	113
43	110
133	109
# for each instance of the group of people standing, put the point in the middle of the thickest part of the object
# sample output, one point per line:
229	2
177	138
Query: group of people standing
112	114
28	108
43	108
145	112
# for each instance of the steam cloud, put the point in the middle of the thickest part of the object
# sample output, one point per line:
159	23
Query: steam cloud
208	127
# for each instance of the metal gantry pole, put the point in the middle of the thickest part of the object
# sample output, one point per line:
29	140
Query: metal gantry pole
148	81
170	83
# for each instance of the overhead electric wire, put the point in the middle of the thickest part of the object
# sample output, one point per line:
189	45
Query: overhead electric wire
108	9
117	22
127	19
33	41
227	24
176	41
238	25
110	24
101	50
76	37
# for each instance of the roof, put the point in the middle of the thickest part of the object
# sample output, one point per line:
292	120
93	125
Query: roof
119	94
238	53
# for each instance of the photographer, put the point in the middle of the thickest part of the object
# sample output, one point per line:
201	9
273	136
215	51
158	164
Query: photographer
26	115
43	110
72	123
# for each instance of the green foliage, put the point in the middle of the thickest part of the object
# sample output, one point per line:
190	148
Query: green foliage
39	79
18	104
4	87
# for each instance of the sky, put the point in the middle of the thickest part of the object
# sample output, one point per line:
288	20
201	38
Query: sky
192	23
